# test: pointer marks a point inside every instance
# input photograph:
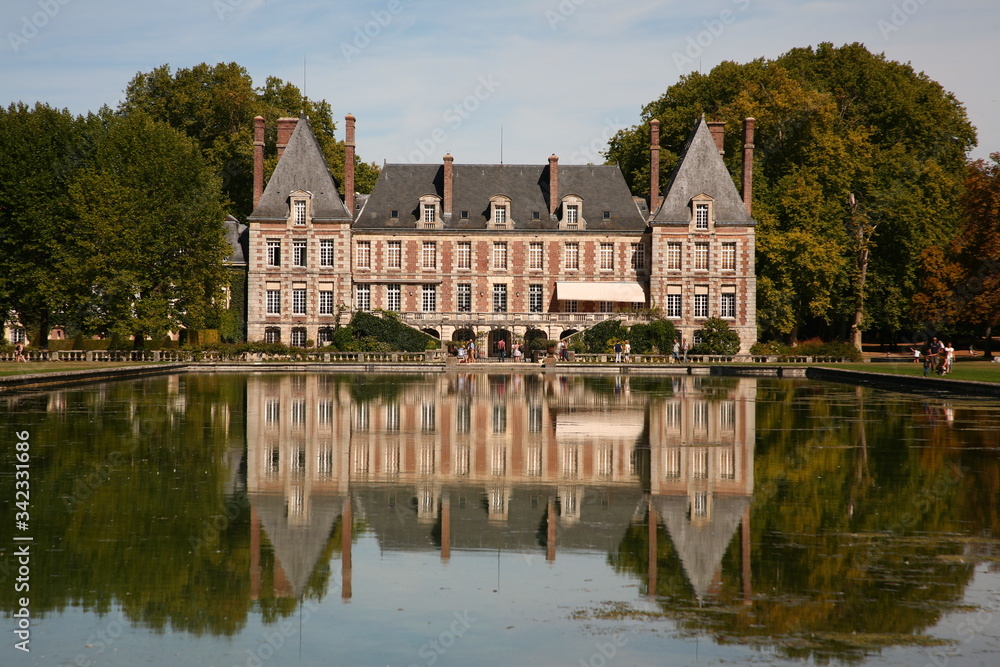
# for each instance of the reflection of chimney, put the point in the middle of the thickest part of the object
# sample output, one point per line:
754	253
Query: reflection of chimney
258	159
445	528
550	535
449	179
349	165
654	165
651	571
285	128
254	554
748	126
553	184
718	130
346	525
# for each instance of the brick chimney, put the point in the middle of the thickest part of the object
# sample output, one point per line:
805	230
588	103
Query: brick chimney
449	181
748	126
285	128
654	165
349	164
258	159
553	184
718	130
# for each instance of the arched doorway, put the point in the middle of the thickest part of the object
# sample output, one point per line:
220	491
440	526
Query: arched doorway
497	335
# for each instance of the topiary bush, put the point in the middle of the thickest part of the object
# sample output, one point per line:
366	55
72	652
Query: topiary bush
399	336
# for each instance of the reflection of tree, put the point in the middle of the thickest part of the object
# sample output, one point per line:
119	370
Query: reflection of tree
131	489
850	541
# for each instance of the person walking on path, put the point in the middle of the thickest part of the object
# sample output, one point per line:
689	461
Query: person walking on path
618	352
949	356
501	349
472	351
676	354
627	352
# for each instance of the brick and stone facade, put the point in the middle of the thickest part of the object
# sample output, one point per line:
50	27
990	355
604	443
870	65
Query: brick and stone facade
498	249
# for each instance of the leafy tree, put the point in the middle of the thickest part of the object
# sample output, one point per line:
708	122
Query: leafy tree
835	125
716	338
598	337
40	147
216	105
149	242
962	278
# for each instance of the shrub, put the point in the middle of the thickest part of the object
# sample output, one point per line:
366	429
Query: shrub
716	338
389	330
598	336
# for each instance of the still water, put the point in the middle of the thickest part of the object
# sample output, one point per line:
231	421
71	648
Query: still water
464	519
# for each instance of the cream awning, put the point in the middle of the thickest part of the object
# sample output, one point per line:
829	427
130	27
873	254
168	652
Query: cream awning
600	291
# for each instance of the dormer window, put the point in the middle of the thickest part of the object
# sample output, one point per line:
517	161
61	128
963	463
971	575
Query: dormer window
500	212
701	213
572	213
298	207
430	212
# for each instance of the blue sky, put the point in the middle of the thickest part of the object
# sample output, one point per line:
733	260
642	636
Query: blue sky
426	77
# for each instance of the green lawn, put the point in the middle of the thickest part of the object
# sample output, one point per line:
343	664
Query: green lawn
8	368
976	371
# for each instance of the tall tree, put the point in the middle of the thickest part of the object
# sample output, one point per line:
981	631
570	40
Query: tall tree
961	280
216	105
40	147
149	243
832	122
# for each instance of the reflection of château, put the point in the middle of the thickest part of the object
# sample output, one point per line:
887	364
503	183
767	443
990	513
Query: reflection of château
486	461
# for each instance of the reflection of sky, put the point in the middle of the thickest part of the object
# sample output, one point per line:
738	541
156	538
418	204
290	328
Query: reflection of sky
394	613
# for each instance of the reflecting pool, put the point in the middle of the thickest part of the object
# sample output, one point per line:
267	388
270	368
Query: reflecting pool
479	519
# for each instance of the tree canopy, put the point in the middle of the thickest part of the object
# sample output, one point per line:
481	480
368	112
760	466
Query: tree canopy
835	125
216	105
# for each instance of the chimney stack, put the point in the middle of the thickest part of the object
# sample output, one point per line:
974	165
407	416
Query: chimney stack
718	130
285	128
553	184
449	179
258	159
654	165
748	126
349	164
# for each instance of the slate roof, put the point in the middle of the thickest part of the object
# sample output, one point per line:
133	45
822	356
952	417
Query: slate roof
601	187
236	236
301	167
701	170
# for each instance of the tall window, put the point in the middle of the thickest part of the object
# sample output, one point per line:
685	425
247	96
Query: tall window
499	215
701	305
464	255
298	301
464	298
364	298
570	306
429	301
364	254
429	257
534	298
572	256
701	216
299	340
500	255
535	254
393	298
272	335
273	302
500	298
674	305
673	256
429	216
638	259
394	255
326	252
299	249
727	257
607	257
701	257
326	302
300	212
273	252
727	305
572	215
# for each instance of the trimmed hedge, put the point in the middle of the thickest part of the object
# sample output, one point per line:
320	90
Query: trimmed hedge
390	330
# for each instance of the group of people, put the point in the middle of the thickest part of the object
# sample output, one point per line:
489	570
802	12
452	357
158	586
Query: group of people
680	346
936	356
623	351
467	353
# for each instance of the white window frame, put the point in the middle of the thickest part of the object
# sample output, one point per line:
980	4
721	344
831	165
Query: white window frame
273	302
638	259
326	252
326	302
500	302
536	298
536	256
727	256
463	298
500	255
701	256
674	306
299	212
607	257
727	305
700	309
274	252
463	255
300	252
572	256
394	298
363	254
363	297
428	301
394	255
298	301
675	256
428	256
